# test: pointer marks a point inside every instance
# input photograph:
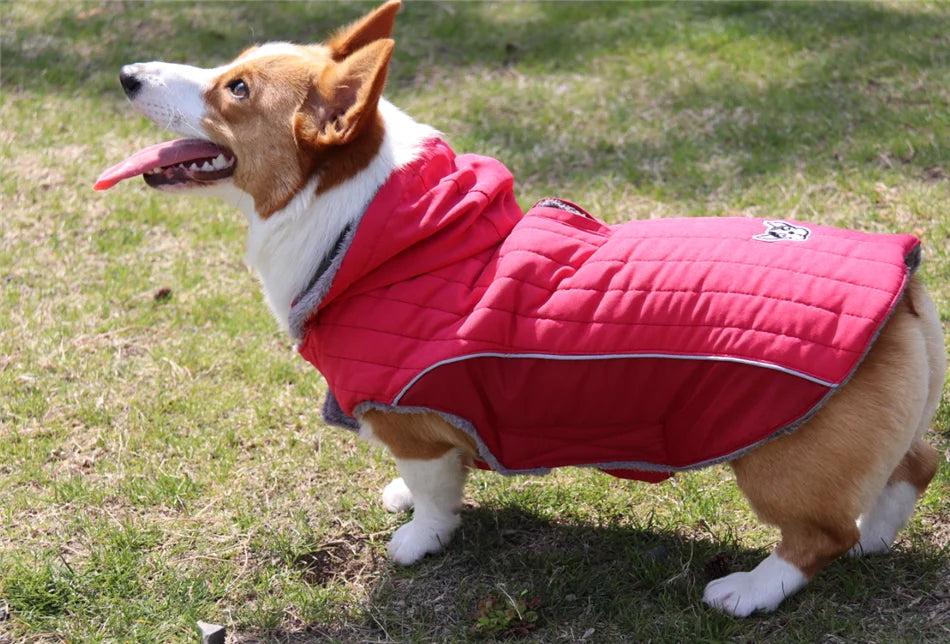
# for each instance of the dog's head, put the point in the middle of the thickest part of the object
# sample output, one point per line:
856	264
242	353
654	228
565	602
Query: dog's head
263	125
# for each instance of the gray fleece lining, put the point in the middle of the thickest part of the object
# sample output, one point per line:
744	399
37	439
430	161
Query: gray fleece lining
308	301
559	205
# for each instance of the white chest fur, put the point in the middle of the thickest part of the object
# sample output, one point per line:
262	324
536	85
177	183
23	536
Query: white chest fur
286	249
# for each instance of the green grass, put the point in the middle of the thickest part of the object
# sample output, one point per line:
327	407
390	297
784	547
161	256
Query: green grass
162	458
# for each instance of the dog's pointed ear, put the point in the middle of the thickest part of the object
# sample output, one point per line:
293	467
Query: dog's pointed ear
374	26
342	101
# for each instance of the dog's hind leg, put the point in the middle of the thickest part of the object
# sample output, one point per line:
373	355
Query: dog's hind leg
891	512
809	541
433	459
815	482
892	509
814	497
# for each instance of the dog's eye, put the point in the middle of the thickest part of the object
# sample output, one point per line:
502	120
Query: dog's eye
239	89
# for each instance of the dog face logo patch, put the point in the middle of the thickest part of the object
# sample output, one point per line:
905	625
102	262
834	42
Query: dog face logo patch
783	231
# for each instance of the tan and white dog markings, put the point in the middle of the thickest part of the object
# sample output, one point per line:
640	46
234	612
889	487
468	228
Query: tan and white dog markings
299	139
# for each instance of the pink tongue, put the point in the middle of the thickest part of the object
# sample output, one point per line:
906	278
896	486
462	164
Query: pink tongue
156	156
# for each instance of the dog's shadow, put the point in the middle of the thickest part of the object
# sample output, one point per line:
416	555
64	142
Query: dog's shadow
511	572
603	576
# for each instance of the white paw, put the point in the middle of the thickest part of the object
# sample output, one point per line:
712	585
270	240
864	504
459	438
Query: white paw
418	538
874	541
880	525
763	588
734	594
396	496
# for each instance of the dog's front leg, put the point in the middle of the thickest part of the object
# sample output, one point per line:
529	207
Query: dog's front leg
435	486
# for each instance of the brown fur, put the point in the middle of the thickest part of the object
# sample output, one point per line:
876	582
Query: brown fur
418	436
376	25
338	122
264	122
918	467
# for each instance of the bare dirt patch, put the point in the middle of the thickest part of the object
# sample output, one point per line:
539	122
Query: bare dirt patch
347	557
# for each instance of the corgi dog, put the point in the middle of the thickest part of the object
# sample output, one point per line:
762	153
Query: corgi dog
369	237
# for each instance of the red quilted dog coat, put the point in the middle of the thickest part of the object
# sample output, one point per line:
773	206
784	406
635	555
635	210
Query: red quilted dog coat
555	339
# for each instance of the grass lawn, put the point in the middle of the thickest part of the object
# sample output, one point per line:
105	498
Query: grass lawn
162	458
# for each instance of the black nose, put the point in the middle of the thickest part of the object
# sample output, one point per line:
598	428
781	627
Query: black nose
130	82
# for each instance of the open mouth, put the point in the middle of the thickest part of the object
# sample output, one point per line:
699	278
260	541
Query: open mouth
185	162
